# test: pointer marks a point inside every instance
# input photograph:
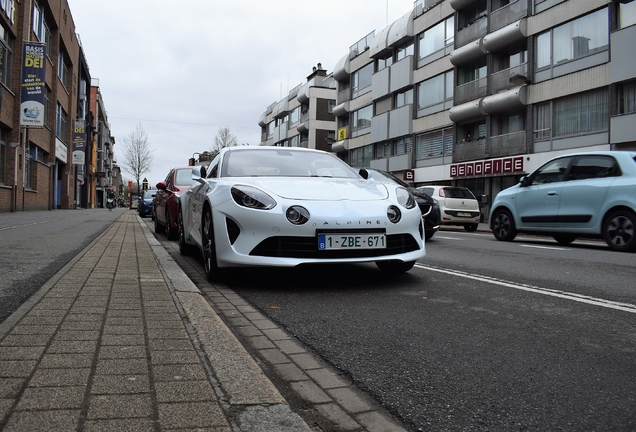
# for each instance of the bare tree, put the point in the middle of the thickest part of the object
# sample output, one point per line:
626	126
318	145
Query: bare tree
137	154
224	138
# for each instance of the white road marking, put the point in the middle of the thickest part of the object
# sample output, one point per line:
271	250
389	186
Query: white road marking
625	307
545	247
447	238
29	224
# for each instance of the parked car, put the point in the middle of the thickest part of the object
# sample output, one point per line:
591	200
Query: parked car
166	206
146	203
428	206
457	205
590	194
283	207
134	201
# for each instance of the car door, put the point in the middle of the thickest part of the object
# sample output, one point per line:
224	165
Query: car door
583	194
537	200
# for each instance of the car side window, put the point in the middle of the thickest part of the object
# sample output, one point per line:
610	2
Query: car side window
592	167
551	172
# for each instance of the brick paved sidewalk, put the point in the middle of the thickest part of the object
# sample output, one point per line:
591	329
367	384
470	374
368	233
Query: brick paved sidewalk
106	345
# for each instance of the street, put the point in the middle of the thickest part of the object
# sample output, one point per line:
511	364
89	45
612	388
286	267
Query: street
480	335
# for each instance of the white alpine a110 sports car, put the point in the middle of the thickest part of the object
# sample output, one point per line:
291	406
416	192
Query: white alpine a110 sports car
282	207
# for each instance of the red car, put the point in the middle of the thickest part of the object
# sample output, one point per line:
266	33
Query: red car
166	204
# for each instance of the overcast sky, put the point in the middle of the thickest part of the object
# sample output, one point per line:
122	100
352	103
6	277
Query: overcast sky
183	69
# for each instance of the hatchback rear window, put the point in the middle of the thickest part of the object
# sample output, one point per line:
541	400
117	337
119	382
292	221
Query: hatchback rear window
458	193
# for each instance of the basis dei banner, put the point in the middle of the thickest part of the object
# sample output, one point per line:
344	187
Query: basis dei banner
79	142
33	77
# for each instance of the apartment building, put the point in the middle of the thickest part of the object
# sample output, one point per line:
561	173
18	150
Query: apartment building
103	145
49	163
477	93
303	117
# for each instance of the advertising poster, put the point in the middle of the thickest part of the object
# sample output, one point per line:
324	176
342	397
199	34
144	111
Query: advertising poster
79	142
33	76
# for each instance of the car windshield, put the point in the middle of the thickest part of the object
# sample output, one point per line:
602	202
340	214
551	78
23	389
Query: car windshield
385	176
183	177
285	163
148	194
458	193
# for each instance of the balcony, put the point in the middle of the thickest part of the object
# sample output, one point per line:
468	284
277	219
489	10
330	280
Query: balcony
343	96
508	14
472	150
508	145
471	90
501	80
471	32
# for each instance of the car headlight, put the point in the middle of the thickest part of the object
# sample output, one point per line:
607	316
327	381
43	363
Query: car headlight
251	197
297	215
394	214
404	197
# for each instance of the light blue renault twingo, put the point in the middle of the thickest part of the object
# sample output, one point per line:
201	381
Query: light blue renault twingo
590	194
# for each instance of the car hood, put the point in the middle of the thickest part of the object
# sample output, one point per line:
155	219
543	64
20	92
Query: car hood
321	189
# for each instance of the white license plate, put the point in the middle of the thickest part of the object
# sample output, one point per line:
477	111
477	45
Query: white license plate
463	214
351	241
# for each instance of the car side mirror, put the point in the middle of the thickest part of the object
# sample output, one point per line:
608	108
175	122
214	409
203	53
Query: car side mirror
364	173
161	185
525	181
198	172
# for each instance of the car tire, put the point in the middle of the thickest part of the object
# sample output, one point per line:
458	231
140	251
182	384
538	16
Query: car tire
395	266
503	226
471	227
619	231
184	248
158	228
171	234
208	246
564	239
429	234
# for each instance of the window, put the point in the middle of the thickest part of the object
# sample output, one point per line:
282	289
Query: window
472	72
508	123
435	90
402	146
405	51
382	151
384	63
436	38
472	13
294	141
626	14
38	21
362	118
383	105
29	166
590	167
62	70
434	144
270	129
627	98
48	40
552	172
3	161
542	117
294	116
579	38
47	105
6	54
361	157
404	98
61	125
362	77
581	113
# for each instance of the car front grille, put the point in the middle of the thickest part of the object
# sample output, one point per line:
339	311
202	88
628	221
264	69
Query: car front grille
307	247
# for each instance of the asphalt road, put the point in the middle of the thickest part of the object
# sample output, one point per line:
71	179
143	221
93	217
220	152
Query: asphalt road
34	246
481	335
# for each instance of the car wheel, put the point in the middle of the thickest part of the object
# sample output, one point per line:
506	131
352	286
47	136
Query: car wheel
170	231
209	248
619	231
564	239
184	248
429	234
471	227
503	226
395	266
158	228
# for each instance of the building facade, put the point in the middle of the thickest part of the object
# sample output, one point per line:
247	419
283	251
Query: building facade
477	93
304	117
38	167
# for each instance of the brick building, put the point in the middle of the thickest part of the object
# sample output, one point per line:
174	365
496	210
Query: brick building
38	170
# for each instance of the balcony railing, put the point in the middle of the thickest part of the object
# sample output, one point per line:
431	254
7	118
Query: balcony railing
472	150
362	45
501	80
471	90
344	96
508	145
508	14
473	31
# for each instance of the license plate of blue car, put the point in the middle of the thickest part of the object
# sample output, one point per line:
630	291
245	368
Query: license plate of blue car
351	241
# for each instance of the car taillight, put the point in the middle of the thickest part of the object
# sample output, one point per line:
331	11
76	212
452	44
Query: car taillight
441	193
